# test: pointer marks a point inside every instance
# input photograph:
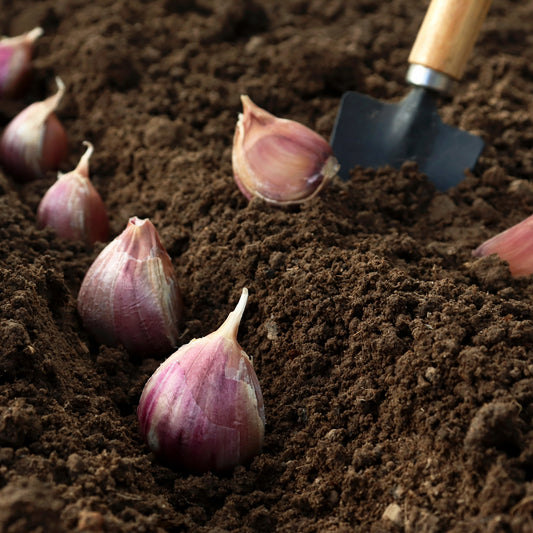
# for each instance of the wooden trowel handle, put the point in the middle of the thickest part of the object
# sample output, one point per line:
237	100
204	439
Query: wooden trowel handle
447	35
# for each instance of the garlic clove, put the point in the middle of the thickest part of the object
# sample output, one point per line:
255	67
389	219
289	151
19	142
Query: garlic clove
15	62
130	295
203	409
279	160
514	245
73	207
35	142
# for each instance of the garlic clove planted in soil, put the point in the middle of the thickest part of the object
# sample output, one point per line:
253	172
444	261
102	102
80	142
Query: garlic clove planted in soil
15	62
73	207
514	245
279	160
130	295
35	142
203	409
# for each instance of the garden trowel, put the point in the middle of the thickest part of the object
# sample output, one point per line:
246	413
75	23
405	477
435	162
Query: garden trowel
370	133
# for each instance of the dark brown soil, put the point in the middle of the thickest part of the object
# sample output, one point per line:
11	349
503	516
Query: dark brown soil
397	370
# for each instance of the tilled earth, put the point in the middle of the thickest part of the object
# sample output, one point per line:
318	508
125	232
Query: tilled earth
397	369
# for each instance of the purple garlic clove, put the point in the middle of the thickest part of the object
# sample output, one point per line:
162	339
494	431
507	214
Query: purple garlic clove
279	160
130	294
203	409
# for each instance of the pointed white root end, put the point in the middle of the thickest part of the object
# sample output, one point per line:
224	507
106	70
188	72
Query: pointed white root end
90	149
83	165
230	327
88	153
241	306
245	101
246	104
53	101
24	39
251	108
60	86
34	34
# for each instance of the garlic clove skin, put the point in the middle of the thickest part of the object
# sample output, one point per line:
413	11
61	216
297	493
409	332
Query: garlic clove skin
514	245
202	409
279	160
35	142
15	62
130	295
73	207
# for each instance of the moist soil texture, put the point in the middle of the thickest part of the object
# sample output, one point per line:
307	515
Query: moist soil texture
396	368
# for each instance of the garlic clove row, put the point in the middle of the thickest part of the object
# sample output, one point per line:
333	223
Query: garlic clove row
35	142
514	245
279	160
130	295
73	207
203	409
15	62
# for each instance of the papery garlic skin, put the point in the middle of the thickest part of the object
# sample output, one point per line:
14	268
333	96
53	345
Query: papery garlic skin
203	409
15	62
73	207
279	160
514	245
130	295
35	142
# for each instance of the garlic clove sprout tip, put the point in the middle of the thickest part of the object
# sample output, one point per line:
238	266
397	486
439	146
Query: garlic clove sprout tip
230	327
34	34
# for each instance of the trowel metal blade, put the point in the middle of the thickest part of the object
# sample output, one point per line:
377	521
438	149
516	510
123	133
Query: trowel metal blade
373	134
